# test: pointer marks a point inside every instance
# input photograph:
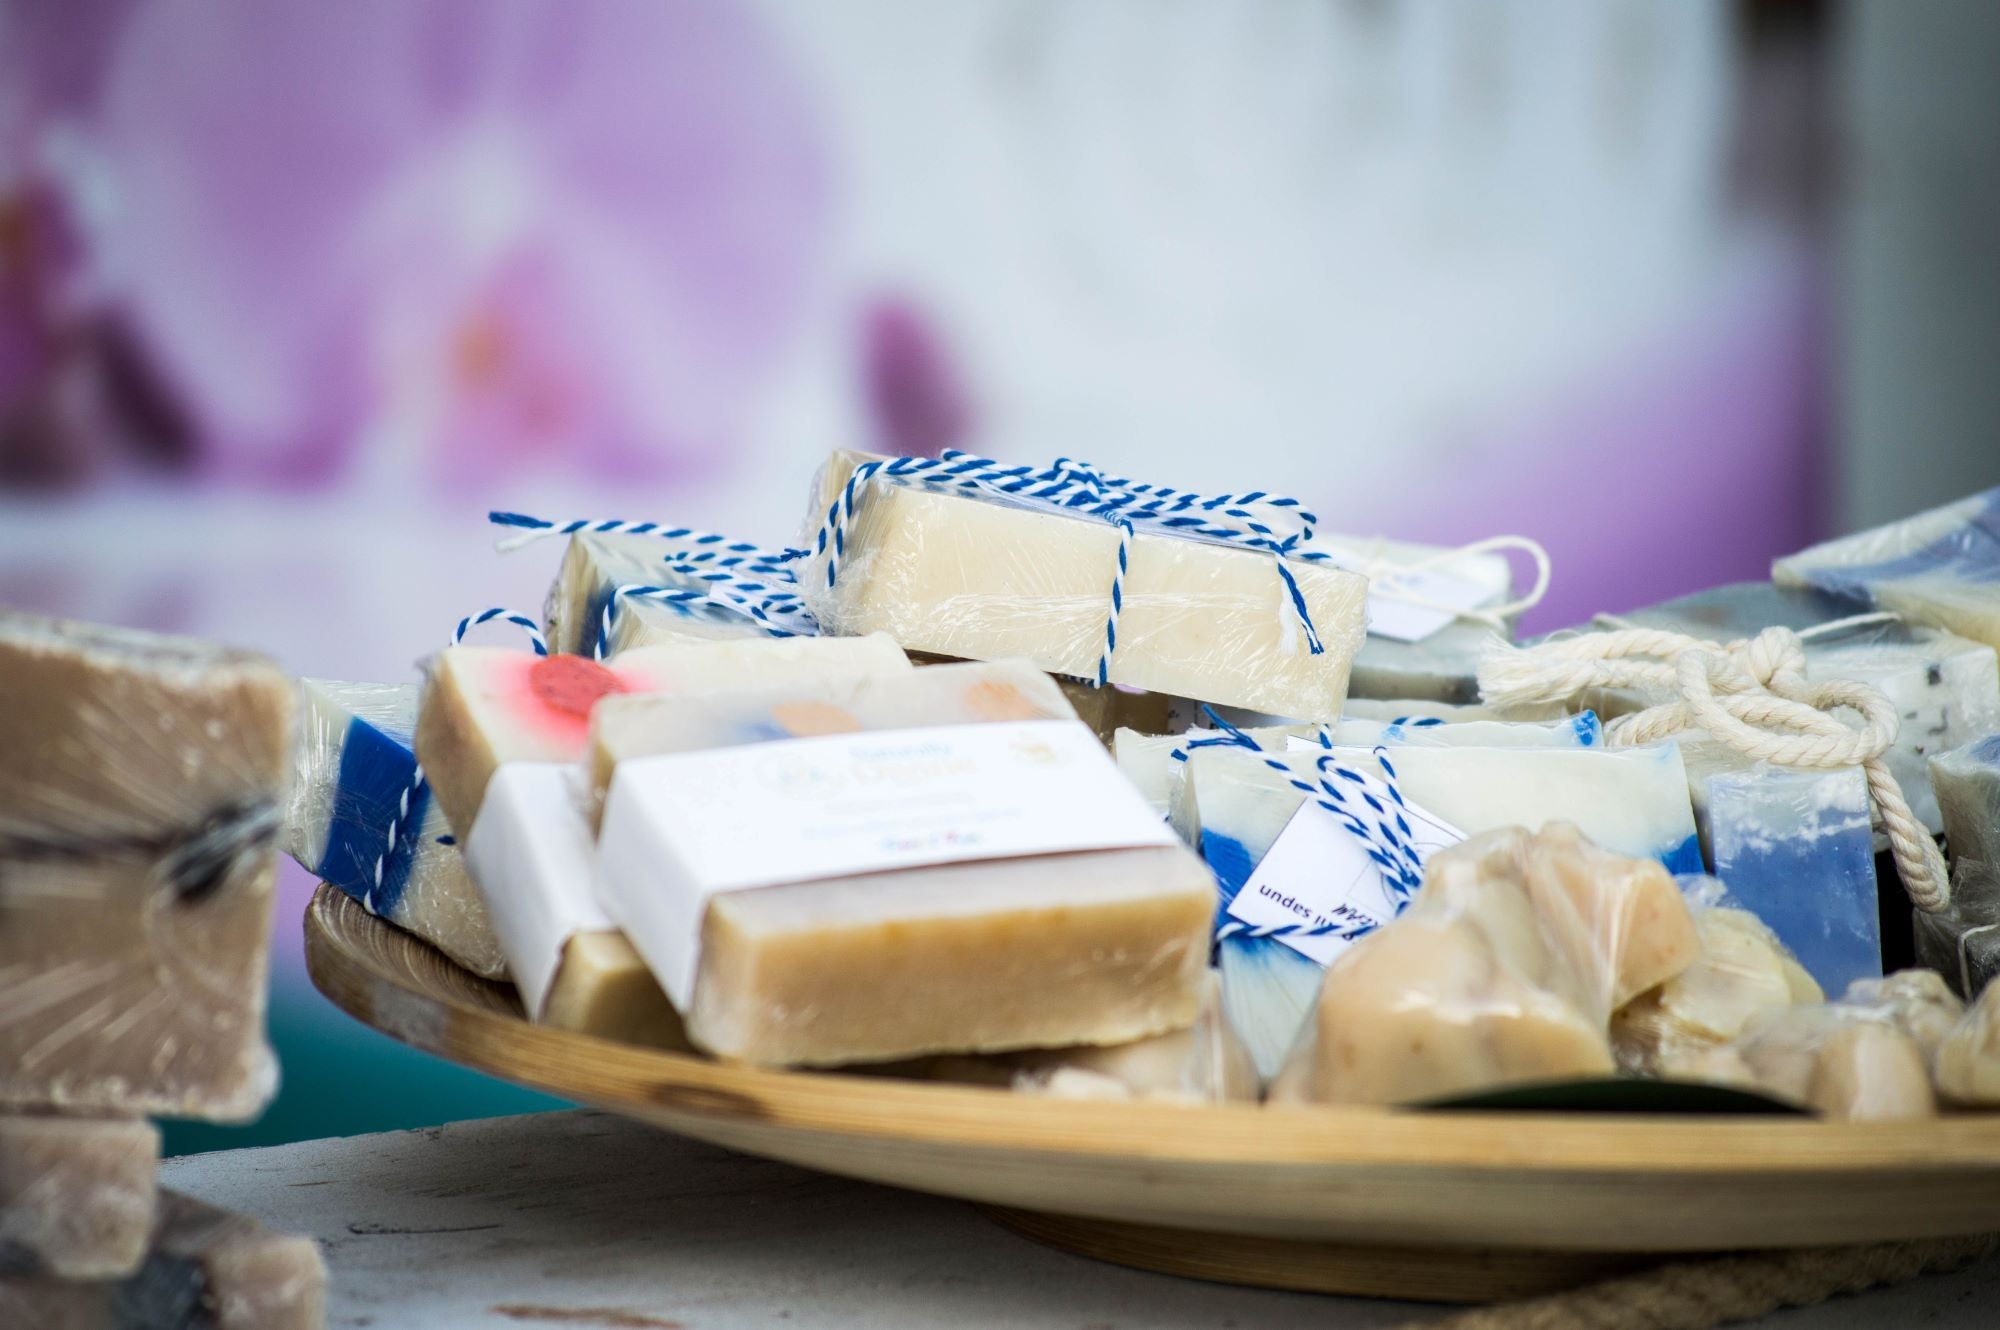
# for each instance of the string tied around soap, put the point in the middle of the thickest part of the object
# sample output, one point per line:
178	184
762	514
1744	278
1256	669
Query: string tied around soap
778	613
1252	520
693	544
1751	694
413	793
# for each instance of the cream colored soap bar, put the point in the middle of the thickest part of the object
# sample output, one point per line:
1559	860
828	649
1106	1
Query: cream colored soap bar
513	722
206	1269
988	579
1967	1060
141	780
595	566
1091	947
76	1195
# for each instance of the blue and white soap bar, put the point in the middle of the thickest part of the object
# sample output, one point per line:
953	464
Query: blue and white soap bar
1940	567
1794	847
356	820
1946	689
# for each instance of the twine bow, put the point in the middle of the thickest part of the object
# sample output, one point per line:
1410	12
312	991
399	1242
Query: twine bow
1752	695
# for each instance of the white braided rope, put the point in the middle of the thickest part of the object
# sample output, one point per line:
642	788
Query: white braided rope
1752	695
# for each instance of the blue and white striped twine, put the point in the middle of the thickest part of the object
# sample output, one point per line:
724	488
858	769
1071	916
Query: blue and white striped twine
1385	835
417	783
1073	486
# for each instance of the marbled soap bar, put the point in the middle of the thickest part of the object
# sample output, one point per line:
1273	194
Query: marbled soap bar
205	1269
594	567
1504	970
76	1195
822	964
141	785
983	578
1945	688
1795	848
1940	567
358	819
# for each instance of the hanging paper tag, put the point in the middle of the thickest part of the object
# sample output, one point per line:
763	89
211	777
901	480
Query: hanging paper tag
1391	615
1318	880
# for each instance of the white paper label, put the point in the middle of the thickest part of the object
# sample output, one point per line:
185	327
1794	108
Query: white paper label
681	828
1318	874
1391	615
531	854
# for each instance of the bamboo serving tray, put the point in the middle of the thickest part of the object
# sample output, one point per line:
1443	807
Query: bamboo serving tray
1435	1205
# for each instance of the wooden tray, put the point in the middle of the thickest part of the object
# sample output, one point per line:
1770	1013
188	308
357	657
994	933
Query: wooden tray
1447	1206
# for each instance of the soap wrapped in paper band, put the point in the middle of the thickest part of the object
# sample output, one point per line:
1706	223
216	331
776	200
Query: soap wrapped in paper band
938	949
76	1195
1940	567
970	570
358	818
141	780
204	1269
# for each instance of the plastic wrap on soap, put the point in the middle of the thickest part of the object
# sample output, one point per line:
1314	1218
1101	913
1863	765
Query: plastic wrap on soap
1967	1060
1939	567
981	575
142	782
1504	970
1962	941
1206	1063
359	818
1444	665
581	616
1966	781
1864	1057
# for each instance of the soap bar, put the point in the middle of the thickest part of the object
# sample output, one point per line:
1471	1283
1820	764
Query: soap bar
1962	942
1444	666
1967	1060
1504	970
76	1195
1794	847
358	819
1095	946
1742	971
985	578
1204	1064
205	1269
141	781
1967	784
1940	567
594	567
1451	713
1946	689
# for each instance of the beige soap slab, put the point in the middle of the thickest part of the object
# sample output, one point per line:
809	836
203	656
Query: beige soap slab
76	1195
205	1269
988	579
1093	947
141	780
594	567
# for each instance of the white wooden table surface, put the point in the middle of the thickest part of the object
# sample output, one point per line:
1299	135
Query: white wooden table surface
581	1219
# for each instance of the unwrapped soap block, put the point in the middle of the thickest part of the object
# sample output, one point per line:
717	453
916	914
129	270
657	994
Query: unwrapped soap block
1504	970
1087	947
1946	689
140	787
355	785
205	1269
596	565
76	1195
1940	567
985	578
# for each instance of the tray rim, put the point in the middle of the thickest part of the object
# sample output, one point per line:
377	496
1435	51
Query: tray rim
488	1033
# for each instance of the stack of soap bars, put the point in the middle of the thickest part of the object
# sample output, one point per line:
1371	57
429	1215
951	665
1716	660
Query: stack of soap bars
141	793
849	802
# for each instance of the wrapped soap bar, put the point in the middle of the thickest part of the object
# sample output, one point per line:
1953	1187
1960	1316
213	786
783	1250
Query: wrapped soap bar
1966	1061
359	819
76	1195
596	565
1962	941
501	733
1204	1064
1940	567
1794	846
140	787
1451	713
1742	972
963	567
1966	782
1443	665
205	1269
1945	688
1504	970
818	879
